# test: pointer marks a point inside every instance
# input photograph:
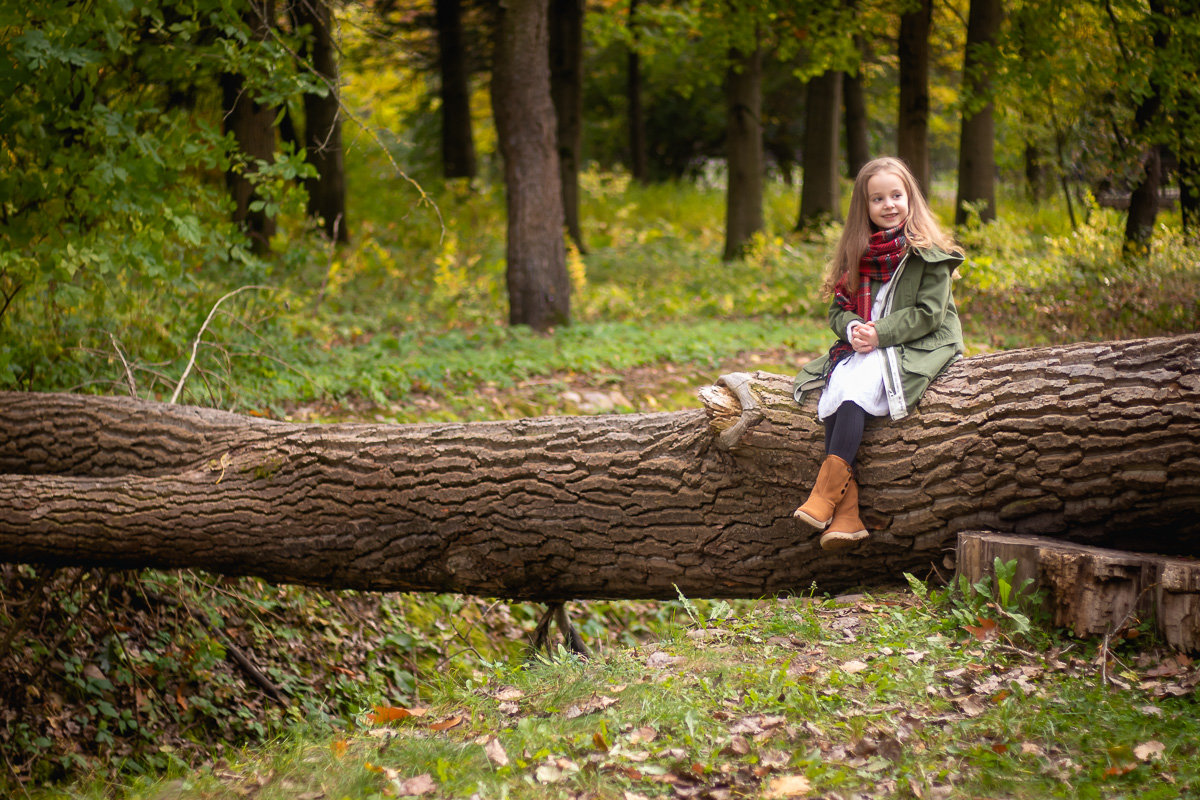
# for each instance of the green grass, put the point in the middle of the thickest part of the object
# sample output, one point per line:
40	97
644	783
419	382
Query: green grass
878	695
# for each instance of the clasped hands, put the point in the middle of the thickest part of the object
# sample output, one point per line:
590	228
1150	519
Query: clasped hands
864	338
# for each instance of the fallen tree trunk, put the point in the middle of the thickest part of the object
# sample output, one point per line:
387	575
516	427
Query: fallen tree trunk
1095	443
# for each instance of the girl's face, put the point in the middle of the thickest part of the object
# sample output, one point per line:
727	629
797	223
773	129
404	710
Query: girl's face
887	201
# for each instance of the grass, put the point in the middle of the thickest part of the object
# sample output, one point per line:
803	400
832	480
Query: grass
865	696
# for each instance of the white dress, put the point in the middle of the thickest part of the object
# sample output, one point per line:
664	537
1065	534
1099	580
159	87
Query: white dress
858	377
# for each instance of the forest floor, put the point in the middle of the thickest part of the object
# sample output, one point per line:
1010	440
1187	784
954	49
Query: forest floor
885	695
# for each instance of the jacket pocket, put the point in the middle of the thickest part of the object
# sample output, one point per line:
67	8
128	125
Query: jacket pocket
927	359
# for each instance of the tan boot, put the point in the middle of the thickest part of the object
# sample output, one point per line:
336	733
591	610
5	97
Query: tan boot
827	492
846	529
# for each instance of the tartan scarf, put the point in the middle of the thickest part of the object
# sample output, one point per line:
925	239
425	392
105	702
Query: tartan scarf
885	251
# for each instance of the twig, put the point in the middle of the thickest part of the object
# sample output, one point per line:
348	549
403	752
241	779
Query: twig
16	778
50	651
200	333
124	363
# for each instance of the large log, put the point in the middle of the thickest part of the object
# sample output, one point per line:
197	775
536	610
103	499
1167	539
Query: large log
1094	443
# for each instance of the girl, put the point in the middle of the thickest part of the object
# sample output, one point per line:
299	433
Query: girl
897	329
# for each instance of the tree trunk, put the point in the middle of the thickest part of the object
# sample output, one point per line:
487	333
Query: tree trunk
458	140
977	141
1093	591
912	128
638	149
858	147
539	288
1092	443
744	149
819	195
1143	202
323	124
253	127
566	89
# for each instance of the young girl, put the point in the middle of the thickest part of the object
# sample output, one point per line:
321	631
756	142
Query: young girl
897	328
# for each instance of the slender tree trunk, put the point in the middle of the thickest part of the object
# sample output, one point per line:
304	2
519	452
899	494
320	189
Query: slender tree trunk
1143	202
977	142
1094	443
858	147
253	127
566	89
539	289
638	158
458	141
912	128
323	123
744	148
819	190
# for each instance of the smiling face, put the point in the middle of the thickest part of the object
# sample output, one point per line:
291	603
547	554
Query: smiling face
887	200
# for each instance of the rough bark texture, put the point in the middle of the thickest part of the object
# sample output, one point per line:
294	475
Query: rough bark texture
977	142
323	123
539	288
1095	591
1094	443
458	140
822	115
744	151
912	129
566	90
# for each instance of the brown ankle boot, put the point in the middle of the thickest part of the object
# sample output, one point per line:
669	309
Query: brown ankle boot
828	491
846	529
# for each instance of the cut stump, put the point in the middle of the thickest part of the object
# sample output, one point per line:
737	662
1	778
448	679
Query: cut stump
1095	591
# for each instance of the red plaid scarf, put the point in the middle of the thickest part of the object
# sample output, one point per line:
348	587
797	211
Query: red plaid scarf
885	251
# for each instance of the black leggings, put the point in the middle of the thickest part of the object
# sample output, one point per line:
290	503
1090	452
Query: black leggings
844	431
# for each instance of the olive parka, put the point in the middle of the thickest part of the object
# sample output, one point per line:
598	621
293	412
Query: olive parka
919	330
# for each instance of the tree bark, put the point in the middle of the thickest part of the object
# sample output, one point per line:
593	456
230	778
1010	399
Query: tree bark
744	151
977	140
1092	443
912	129
566	90
819	195
539	288
458	140
638	148
323	123
858	148
253	127
1095	591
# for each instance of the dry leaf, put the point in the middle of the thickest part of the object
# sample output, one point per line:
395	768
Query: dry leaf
338	746
643	734
787	786
1149	751
509	693
415	787
495	752
853	667
985	631
599	741
446	724
510	708
385	714
548	773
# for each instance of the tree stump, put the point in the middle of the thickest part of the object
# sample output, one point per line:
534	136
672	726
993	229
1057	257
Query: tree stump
1094	591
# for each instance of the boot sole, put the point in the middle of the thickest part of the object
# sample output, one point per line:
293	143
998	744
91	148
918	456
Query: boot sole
813	521
840	540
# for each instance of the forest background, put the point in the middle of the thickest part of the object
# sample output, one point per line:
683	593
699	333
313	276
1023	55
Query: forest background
319	203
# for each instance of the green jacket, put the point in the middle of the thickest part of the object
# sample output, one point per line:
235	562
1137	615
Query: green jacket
919	331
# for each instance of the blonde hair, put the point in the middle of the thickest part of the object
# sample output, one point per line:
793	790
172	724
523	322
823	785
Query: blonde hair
921	228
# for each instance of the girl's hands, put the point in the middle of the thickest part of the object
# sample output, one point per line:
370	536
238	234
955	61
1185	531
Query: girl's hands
864	338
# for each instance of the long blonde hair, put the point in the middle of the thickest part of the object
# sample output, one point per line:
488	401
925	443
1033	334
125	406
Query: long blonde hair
921	228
